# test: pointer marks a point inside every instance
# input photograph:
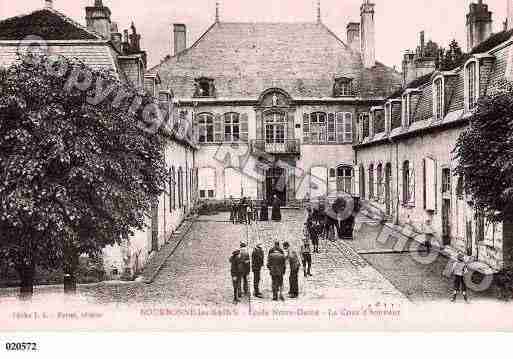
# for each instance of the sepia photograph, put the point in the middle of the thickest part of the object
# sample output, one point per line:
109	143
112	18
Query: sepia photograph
291	165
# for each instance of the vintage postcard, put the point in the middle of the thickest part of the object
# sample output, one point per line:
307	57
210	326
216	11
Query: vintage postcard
178	165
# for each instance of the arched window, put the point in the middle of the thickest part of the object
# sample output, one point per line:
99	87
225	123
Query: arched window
231	127
471	84
205	123
180	187
371	181
438	98
362	182
172	189
406	182
379	175
344	179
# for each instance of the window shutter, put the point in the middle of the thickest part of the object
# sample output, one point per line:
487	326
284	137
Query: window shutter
360	130
356	180
306	128
290	126
218	128
340	127
332	128
412	183
348	127
244	127
401	184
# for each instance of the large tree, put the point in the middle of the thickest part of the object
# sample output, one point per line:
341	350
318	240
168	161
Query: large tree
485	155
81	159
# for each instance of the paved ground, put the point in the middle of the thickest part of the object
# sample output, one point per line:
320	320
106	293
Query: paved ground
358	272
198	272
401	261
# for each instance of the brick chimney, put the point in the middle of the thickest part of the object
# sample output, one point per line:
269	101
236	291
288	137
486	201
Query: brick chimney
135	39
98	19
479	24
180	38
353	36
367	37
115	36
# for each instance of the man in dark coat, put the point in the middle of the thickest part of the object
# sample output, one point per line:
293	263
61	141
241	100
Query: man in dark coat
236	275
294	266
257	262
246	267
276	266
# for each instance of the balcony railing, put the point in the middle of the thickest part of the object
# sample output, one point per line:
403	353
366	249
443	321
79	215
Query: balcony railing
286	147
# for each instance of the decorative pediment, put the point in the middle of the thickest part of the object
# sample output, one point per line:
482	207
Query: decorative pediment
275	98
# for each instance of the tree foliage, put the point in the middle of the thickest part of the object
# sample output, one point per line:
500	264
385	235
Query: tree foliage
451	57
485	156
78	170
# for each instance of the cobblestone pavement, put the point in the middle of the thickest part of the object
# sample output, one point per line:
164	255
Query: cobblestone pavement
395	258
198	273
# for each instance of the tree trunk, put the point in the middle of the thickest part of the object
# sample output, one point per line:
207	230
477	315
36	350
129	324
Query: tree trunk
70	268
26	272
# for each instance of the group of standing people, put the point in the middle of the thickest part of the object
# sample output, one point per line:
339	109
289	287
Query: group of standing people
242	264
244	211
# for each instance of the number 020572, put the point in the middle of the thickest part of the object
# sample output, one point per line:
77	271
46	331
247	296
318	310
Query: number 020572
21	347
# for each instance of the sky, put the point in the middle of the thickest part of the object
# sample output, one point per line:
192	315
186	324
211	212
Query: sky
398	22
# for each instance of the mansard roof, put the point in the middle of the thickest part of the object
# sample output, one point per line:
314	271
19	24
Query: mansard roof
49	24
245	59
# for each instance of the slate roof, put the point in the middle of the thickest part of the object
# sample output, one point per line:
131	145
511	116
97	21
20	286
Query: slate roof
48	24
245	59
73	40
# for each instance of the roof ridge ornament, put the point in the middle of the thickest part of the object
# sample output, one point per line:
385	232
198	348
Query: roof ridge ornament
48	4
217	11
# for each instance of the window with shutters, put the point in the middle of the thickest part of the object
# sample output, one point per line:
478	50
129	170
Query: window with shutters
371	181
379	121
408	187
205	126
430	184
364	118
332	128
318	127
379	175
395	120
321	128
306	128
172	189
275	127
438	98
362	181
231	127
344	179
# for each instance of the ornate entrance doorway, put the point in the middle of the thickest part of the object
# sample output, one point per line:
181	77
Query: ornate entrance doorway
276	184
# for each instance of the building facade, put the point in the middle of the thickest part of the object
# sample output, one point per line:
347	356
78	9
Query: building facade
404	155
100	45
274	105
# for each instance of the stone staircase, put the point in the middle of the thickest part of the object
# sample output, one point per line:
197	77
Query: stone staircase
157	259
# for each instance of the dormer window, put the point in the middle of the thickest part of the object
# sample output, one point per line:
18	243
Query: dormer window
343	87
204	87
471	84
438	98
378	120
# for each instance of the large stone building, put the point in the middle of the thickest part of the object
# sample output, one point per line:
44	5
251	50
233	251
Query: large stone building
404	150
100	45
275	105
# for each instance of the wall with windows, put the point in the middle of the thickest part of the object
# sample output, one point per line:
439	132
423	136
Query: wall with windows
173	206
